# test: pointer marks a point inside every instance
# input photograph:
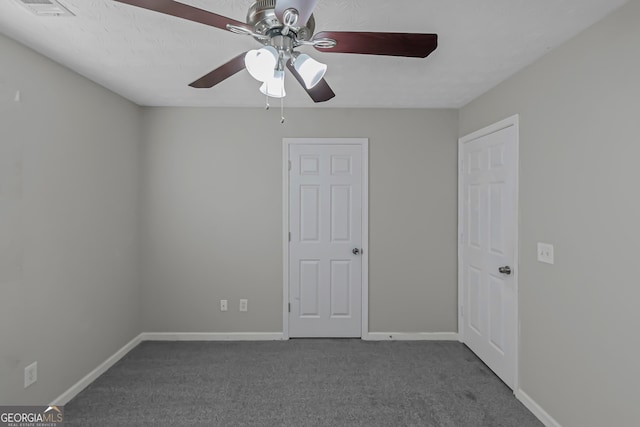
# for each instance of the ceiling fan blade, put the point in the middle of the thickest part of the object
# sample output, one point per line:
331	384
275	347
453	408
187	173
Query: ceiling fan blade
392	44
221	73
321	92
184	11
304	7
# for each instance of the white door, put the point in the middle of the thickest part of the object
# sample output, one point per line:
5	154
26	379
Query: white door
325	248
488	248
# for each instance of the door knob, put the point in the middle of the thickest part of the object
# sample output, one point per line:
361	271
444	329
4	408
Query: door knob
355	251
505	270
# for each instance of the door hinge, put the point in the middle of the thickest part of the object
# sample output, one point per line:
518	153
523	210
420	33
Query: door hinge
289	236
289	307
289	164
462	311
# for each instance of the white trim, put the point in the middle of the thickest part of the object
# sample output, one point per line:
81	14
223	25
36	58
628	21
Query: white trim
212	336
66	397
73	391
496	127
364	143
285	239
536	409
365	238
459	241
411	336
513	121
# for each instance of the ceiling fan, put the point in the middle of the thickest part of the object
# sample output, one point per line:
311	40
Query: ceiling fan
282	26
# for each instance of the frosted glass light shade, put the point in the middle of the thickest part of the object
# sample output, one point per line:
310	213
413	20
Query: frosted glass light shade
261	63
274	87
309	69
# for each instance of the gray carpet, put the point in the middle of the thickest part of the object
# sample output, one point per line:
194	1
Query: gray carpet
324	382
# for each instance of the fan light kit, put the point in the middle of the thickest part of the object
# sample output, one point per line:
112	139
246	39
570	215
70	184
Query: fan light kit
282	26
267	66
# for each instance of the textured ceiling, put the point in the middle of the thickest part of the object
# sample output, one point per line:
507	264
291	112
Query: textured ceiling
150	58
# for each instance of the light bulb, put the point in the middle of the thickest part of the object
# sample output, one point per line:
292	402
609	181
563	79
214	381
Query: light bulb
274	86
310	70
261	63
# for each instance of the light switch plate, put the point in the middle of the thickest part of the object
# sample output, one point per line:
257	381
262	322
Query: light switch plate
545	252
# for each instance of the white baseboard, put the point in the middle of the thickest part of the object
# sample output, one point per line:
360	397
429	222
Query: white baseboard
65	397
212	336
411	336
536	409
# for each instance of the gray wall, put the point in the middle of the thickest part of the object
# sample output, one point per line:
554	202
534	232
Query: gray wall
68	221
580	123
212	203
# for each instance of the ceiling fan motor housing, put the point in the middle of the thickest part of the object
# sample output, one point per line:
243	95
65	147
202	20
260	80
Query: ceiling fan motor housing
262	17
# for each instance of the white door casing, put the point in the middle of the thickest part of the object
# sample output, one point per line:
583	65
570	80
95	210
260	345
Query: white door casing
488	222
326	219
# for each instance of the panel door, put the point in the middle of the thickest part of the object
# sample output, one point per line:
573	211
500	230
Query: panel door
325	273
489	312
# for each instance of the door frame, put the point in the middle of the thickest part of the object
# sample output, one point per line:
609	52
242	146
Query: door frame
364	143
513	121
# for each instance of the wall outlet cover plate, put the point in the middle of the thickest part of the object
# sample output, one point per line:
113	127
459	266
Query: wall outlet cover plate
545	253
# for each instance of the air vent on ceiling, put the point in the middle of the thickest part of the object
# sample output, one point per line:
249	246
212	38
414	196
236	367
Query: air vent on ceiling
46	7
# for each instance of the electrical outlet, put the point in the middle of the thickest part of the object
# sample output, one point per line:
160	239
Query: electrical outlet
223	305
244	305
30	374
545	253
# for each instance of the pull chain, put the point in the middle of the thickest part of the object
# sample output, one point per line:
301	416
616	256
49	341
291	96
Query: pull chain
281	110
267	97
282	102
